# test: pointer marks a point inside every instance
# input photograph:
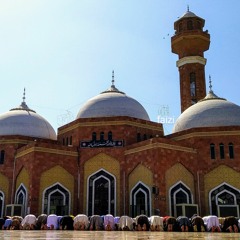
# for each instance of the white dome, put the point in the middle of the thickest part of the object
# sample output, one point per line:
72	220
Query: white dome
25	122
112	103
212	111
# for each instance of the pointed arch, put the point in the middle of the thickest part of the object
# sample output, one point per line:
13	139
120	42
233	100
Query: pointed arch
2	202
179	193
223	195
109	165
56	199
21	197
140	200
101	193
214	179
4	188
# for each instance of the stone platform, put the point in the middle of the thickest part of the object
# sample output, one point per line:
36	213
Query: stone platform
120	235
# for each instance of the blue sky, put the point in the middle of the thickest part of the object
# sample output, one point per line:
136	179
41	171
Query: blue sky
63	52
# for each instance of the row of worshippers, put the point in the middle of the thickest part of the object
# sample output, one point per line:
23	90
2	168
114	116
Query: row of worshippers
125	223
196	223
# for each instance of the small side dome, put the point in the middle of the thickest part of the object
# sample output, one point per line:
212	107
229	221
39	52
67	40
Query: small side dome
110	103
211	111
25	122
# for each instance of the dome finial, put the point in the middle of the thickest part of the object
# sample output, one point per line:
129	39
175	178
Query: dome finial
112	88
211	95
24	94
113	78
188	7
23	105
210	84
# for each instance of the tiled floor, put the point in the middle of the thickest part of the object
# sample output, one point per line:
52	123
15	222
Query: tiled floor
104	235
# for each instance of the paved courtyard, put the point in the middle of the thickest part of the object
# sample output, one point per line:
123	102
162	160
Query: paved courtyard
104	235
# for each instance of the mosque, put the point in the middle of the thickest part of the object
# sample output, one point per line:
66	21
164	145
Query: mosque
113	159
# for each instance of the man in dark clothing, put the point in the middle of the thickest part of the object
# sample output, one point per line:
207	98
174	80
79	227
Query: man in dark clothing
66	223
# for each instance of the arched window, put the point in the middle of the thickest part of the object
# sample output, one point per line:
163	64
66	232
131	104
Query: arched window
193	84
145	137
224	200
94	136
180	27
101	136
110	136
70	140
189	25
198	25
221	150
138	137
231	150
212	151
67	141
2	156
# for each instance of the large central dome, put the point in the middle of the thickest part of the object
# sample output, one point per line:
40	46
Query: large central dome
211	111
111	103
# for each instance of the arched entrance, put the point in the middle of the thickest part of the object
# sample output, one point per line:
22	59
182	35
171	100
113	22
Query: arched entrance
1	203
21	197
101	193
140	200
56	200
179	194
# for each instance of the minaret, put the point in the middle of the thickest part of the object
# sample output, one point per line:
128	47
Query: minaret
190	42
